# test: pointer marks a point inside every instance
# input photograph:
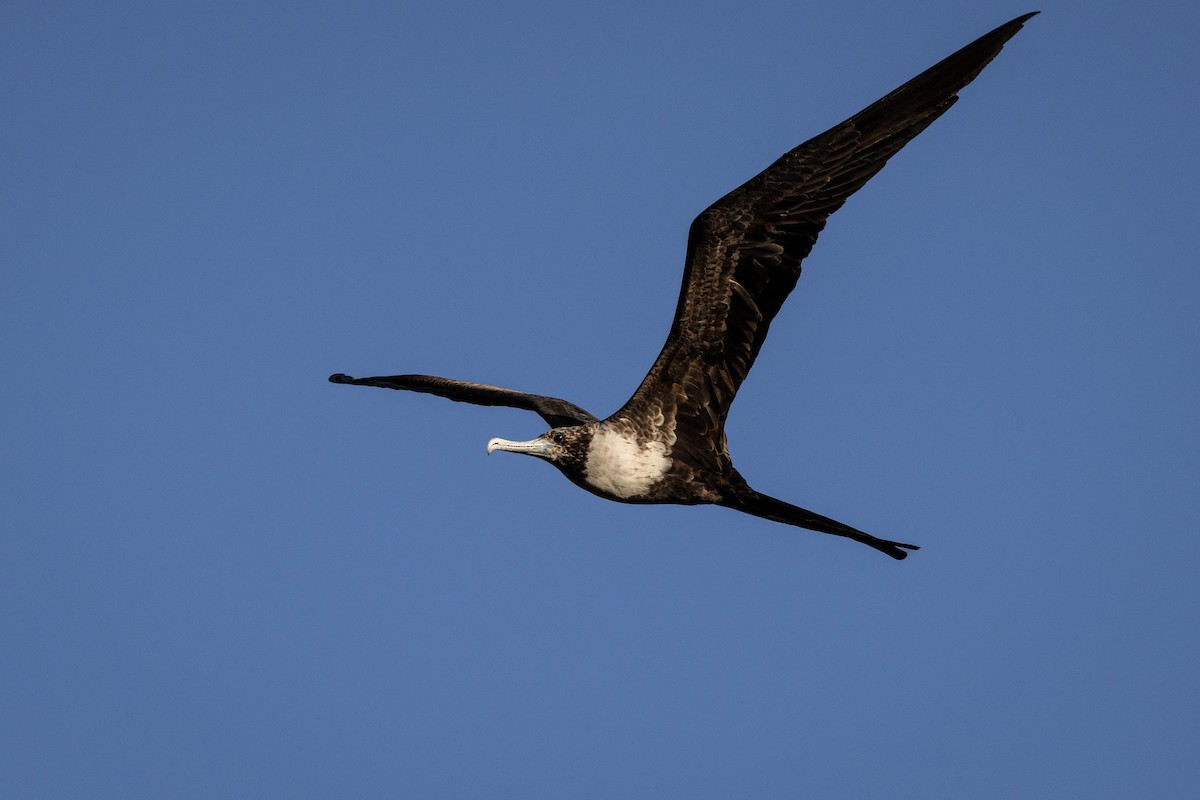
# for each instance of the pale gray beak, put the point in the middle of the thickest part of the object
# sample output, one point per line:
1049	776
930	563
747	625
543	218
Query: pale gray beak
534	447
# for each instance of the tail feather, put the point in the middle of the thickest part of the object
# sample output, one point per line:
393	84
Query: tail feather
760	505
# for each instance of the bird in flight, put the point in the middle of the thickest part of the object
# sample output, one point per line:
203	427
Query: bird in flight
667	443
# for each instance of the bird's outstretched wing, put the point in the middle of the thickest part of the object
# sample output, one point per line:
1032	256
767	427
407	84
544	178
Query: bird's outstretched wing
744	251
557	412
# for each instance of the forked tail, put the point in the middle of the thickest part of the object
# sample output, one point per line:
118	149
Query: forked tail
760	505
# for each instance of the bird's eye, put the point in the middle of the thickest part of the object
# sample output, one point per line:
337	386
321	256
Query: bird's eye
557	438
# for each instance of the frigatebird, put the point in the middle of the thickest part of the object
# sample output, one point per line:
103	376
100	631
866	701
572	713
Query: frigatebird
667	443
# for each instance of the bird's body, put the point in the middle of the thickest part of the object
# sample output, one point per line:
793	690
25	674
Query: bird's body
667	443
622	466
619	463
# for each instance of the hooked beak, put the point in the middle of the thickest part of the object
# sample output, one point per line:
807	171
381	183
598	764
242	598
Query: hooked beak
534	447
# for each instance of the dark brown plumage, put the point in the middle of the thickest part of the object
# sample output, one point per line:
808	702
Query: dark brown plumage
667	443
558	413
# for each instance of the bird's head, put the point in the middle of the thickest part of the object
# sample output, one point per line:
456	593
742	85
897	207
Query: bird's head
565	448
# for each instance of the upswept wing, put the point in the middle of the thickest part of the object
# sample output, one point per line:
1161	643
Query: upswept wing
744	251
558	413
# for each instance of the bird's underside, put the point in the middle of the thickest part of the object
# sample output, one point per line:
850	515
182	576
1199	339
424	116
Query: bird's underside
667	443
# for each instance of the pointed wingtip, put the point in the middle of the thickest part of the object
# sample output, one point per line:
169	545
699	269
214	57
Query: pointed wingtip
894	549
1016	24
1019	21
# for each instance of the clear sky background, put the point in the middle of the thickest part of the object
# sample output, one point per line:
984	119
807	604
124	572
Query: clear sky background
222	576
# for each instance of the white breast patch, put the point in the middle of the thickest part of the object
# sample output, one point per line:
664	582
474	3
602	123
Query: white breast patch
618	465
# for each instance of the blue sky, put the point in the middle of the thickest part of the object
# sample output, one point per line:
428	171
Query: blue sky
222	576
